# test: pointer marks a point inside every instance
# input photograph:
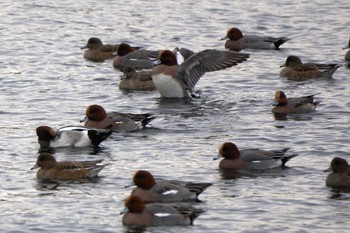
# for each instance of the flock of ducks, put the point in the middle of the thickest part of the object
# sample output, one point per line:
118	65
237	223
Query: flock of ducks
174	74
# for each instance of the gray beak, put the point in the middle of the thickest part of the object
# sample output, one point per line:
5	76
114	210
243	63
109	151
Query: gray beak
85	119
224	38
34	167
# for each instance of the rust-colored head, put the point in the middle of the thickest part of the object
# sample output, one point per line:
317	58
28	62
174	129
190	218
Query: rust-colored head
143	179
167	57
134	204
95	112
229	150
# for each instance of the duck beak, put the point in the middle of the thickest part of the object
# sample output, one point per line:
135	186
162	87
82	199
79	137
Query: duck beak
284	65
84	47
34	167
85	119
129	185
275	103
224	38
217	157
124	211
328	169
347	47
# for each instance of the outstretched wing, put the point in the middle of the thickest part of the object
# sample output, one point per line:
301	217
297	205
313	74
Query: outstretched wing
206	61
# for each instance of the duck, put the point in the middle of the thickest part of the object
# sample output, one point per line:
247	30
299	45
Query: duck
339	176
347	55
178	81
136	80
251	159
236	41
152	190
284	105
139	214
73	136
135	58
97	117
50	169
294	69
97	51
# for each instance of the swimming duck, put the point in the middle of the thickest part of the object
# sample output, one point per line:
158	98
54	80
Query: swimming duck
339	176
50	169
284	105
251	159
75	136
294	69
97	51
152	190
235	40
97	117
157	214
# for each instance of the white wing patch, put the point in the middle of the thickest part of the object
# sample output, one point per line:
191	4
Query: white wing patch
162	215
170	192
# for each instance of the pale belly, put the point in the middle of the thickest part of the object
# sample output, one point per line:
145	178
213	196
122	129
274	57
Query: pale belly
168	87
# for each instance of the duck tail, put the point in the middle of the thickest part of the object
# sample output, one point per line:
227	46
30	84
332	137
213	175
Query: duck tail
332	70
189	211
281	41
97	136
147	120
93	171
197	188
285	159
194	214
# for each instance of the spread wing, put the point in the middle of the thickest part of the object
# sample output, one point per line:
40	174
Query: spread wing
208	60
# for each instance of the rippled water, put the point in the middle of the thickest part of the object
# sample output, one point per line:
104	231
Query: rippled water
45	80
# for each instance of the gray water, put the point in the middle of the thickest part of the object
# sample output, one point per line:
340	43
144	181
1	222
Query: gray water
46	81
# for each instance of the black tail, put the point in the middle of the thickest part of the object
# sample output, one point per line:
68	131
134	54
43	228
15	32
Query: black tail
280	41
97	136
147	120
197	188
287	158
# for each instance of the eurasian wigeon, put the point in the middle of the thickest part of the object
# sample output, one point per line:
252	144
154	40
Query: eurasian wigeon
96	117
50	169
294	69
251	159
235	40
135	58
177	81
157	214
97	51
339	176
284	105
75	136
136	80
165	191
347	55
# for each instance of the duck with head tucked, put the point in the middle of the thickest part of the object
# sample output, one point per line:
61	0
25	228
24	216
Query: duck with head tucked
235	40
284	105
339	176
251	159
152	190
50	169
139	214
74	136
97	51
177	81
294	69
97	117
